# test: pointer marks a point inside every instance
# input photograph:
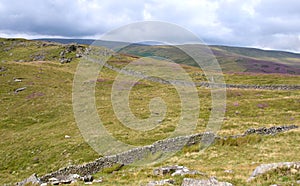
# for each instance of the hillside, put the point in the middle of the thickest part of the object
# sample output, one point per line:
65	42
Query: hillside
39	134
231	59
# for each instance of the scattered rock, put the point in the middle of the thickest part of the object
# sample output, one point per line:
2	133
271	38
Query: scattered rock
78	55
174	170
161	182
33	179
44	184
65	60
210	182
62	53
228	171
2	69
298	181
36	160
100	180
263	168
39	57
17	80
67	137
20	89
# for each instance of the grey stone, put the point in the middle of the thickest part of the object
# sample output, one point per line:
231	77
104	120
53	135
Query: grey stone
17	80
210	182
65	60
270	131
62	53
55	183
67	137
263	168
67	181
20	89
88	178
75	176
53	179
100	180
39	57
2	69
31	179
161	182
228	171
175	170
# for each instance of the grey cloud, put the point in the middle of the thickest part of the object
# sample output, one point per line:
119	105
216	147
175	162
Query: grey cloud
230	22
65	18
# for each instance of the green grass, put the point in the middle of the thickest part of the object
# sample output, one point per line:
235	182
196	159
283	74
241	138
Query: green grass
34	122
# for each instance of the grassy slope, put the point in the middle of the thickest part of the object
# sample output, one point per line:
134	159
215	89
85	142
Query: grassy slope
33	124
231	59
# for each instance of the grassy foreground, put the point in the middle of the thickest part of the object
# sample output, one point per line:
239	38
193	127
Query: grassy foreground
34	122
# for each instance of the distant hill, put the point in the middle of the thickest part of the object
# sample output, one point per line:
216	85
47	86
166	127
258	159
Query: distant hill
231	59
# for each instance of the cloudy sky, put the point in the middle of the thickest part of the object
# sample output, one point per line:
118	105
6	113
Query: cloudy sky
269	24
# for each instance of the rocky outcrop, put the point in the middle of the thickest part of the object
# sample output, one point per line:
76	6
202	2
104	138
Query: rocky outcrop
79	51
263	168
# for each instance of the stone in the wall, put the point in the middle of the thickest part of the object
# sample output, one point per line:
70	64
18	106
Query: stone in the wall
33	179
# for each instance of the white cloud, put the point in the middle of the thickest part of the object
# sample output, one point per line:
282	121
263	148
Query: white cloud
272	23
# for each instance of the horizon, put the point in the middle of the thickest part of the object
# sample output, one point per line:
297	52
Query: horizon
218	45
267	25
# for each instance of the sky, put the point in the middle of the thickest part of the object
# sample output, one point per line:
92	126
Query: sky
267	24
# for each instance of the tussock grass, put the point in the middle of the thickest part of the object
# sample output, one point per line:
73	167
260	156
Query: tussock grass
33	123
